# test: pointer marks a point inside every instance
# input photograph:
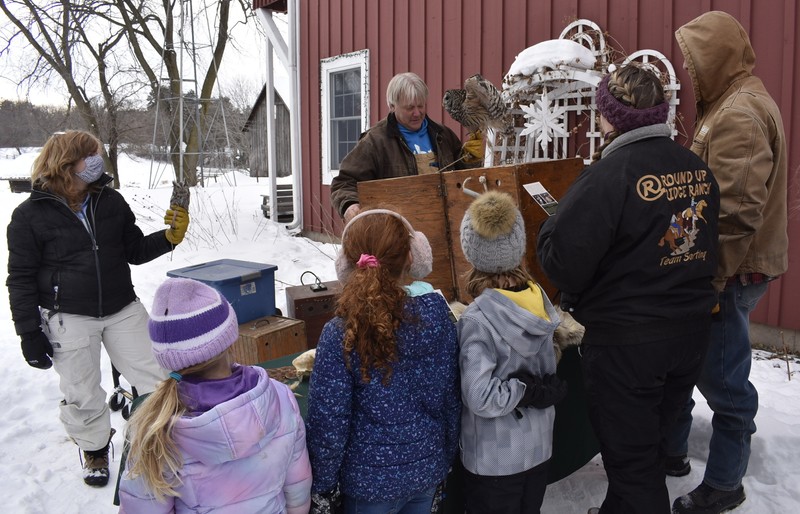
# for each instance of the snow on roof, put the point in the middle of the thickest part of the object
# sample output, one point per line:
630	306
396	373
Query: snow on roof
26	156
550	54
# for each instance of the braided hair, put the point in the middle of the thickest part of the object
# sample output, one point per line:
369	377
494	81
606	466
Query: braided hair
634	86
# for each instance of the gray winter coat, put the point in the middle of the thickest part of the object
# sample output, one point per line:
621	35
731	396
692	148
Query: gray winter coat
498	338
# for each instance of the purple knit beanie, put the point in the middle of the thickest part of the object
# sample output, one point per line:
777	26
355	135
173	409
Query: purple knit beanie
624	117
190	323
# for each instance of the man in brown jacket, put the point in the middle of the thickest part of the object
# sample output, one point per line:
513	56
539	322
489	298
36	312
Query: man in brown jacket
739	133
404	143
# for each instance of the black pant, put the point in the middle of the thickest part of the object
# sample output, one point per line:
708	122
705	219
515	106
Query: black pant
521	493
635	394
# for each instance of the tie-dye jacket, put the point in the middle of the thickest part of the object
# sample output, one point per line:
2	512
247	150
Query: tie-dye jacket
246	455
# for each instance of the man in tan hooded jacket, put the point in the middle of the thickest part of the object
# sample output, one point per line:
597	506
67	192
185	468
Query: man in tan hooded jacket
739	133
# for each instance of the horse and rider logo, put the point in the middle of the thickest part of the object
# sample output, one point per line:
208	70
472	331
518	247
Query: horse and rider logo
683	229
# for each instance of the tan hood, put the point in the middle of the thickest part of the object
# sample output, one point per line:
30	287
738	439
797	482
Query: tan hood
714	67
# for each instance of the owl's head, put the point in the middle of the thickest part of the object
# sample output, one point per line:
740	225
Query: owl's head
453	98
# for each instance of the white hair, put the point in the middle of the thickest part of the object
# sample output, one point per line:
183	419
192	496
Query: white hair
407	87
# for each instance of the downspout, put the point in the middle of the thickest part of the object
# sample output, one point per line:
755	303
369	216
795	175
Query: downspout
289	57
294	114
272	159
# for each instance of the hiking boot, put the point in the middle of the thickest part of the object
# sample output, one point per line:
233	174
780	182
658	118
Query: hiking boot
594	510
707	500
677	466
95	465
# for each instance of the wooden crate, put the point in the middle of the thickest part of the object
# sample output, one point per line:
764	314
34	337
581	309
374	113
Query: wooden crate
314	307
435	205
269	337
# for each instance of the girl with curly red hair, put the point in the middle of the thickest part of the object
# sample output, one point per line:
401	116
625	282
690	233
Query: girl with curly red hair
384	406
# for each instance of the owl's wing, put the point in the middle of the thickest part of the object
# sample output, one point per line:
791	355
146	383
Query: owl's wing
480	91
484	98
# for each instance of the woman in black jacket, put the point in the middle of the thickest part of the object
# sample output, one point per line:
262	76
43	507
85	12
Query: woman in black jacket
633	246
70	246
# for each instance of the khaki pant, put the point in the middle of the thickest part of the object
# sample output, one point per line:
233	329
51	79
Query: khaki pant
76	344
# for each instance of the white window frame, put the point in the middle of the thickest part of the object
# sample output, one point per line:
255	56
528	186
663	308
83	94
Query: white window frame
359	59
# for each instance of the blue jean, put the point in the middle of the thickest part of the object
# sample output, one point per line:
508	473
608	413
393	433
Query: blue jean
724	382
419	503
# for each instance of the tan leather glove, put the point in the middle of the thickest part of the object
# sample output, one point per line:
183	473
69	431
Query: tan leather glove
178	220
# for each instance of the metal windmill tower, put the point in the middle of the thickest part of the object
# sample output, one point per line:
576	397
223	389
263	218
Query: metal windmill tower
178	109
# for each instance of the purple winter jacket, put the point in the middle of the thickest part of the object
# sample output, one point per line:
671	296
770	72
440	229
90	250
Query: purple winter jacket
245	456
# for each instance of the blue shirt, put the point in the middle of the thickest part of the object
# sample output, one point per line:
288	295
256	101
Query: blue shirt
418	141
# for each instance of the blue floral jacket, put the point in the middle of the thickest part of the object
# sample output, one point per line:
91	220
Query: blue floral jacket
380	442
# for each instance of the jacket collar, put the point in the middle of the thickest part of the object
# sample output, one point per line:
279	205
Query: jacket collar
391	122
626	138
104	180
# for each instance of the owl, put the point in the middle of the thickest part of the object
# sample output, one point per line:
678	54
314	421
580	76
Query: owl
478	106
180	194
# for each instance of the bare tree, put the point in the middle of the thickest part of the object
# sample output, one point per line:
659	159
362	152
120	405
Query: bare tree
87	44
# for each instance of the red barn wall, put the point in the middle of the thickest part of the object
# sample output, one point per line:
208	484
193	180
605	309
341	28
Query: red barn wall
445	41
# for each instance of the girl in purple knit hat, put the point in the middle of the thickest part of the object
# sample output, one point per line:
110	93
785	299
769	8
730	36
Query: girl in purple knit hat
215	436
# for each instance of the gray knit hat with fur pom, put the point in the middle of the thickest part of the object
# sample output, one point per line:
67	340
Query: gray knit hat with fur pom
493	233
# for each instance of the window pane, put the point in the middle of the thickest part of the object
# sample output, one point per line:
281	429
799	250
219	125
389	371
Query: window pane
353	131
344	136
350	81
338	107
345	109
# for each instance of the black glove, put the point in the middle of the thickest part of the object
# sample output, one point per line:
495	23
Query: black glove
37	349
326	503
540	392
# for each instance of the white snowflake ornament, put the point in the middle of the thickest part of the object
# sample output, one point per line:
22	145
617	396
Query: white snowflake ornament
544	121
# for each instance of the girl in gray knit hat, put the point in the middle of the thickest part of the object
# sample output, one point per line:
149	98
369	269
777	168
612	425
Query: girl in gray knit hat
508	365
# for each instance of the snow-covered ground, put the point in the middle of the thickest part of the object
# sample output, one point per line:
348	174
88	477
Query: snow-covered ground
40	466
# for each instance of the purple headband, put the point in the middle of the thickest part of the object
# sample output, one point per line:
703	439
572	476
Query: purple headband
624	117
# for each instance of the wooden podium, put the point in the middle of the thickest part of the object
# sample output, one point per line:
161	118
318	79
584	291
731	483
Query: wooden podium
435	205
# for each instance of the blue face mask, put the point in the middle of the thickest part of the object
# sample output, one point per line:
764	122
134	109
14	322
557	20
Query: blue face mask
93	169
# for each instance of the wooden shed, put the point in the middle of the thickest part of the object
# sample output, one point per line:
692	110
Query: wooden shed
363	43
255	127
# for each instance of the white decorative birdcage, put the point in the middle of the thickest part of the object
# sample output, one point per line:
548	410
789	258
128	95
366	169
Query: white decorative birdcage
553	105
